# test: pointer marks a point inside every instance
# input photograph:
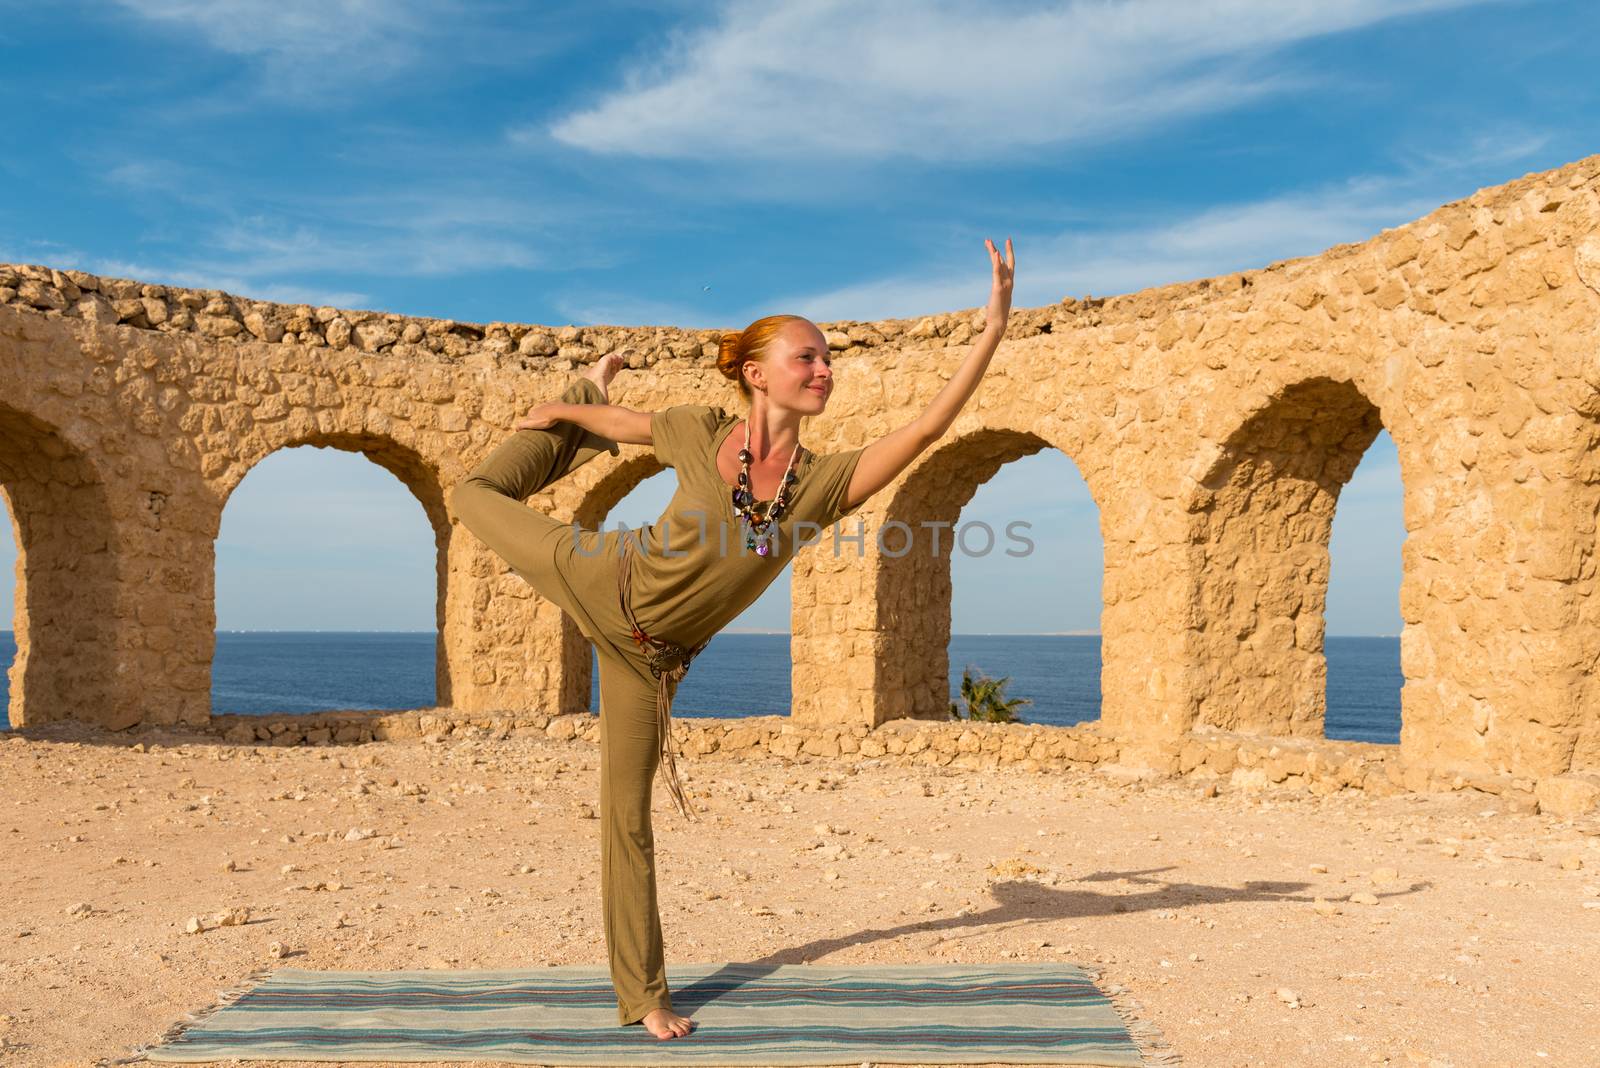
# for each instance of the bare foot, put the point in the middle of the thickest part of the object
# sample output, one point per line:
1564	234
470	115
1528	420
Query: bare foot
664	1023
603	370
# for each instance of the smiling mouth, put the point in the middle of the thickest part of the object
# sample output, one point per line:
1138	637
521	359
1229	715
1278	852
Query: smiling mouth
814	389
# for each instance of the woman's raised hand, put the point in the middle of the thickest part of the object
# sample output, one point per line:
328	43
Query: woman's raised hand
539	417
999	308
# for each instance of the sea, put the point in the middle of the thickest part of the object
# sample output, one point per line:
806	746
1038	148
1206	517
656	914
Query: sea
736	675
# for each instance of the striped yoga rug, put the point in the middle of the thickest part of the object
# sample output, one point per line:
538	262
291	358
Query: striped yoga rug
744	1014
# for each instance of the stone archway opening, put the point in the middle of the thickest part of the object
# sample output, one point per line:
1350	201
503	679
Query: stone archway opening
1026	575
916	588
1261	527
1363	622
320	600
66	611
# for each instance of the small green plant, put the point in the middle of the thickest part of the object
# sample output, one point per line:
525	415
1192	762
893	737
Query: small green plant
986	699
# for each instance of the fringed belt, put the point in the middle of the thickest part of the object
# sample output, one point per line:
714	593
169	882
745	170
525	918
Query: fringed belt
669	662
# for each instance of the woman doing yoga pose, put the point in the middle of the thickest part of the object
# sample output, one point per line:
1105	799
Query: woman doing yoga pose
649	600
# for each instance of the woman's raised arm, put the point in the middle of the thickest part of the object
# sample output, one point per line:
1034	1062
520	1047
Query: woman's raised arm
883	460
608	420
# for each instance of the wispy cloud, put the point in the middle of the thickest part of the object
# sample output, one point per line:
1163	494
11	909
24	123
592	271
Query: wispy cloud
332	54
1217	240
273	249
1503	143
439	226
592	308
306	46
1083	261
409	247
257	256
959	81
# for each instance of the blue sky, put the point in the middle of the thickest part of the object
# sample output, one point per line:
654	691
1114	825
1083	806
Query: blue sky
706	164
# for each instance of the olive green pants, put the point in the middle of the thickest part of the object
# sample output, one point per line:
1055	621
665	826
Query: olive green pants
578	571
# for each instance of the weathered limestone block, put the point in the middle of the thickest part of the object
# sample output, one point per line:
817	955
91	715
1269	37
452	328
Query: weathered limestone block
241	733
1568	795
740	738
1586	260
1278	766
1248	779
562	728
821	745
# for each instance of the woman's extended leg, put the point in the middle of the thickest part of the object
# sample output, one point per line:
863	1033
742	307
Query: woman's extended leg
629	753
489	501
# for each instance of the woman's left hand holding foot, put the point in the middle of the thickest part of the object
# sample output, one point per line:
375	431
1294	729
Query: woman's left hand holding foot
540	417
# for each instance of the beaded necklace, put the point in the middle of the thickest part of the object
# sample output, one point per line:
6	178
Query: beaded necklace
758	530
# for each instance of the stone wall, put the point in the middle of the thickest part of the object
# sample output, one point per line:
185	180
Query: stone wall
1219	759
1214	422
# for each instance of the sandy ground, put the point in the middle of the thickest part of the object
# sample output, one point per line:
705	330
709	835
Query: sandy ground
1482	946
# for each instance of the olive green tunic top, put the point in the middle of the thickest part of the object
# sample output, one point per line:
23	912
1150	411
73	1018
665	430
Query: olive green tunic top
691	572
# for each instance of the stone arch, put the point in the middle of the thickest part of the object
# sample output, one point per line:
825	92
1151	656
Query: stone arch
1260	525
617	479
413	471
67	606
913	589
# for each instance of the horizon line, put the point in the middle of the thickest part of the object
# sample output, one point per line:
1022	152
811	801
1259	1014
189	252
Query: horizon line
953	634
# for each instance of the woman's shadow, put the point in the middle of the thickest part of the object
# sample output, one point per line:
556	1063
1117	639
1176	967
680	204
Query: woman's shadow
1015	902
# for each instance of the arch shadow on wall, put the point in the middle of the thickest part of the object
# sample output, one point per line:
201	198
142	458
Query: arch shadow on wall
914	590
68	608
424	484
1260	526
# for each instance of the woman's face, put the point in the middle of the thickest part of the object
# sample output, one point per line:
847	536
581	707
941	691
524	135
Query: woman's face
797	368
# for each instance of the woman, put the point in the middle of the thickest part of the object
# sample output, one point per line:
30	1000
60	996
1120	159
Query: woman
650	600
